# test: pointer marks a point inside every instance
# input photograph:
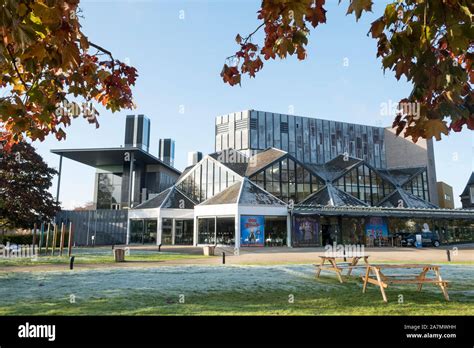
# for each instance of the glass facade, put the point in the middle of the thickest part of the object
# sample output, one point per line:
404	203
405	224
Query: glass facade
225	231
167	231
206	231
288	180
365	184
309	140
109	190
207	179
143	231
183	232
275	231
419	186
220	230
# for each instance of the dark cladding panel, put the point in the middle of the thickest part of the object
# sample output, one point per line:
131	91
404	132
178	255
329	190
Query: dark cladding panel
253	130
166	151
137	132
129	125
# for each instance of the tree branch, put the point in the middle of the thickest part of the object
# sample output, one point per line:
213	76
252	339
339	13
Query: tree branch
16	68
100	48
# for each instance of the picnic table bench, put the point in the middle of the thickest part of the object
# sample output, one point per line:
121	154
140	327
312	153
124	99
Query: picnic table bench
333	266
382	280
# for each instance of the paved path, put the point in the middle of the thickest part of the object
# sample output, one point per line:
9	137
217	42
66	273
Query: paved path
265	256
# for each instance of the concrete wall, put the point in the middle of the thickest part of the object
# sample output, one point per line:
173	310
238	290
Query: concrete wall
443	191
402	152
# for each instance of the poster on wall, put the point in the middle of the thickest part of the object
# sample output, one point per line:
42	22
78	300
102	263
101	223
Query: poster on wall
376	228
252	230
306	231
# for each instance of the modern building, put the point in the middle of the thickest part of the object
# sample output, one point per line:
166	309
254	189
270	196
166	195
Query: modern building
255	196
445	195
194	157
317	141
166	151
128	175
467	195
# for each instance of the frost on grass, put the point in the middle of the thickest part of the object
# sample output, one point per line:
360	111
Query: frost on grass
189	280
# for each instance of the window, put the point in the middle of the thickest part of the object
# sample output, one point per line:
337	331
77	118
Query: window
166	231
183	232
365	184
472	194
109	190
225	231
287	180
206	180
206	231
418	186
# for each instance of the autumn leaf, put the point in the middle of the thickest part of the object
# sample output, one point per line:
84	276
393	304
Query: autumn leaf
377	27
434	128
430	43
357	6
46	59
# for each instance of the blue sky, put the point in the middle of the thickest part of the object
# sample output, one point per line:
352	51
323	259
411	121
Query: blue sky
179	61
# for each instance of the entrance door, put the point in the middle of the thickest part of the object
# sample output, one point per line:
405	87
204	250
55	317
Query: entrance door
326	234
136	231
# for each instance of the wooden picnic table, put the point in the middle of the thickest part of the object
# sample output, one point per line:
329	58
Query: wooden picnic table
382	280
339	267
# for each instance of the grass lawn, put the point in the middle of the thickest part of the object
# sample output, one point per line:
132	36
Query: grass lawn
223	290
97	255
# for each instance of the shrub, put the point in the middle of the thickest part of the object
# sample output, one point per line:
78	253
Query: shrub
23	239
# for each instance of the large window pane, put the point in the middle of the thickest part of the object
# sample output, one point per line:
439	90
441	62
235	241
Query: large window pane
225	231
206	231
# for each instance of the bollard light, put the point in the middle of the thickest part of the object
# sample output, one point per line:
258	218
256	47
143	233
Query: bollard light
71	262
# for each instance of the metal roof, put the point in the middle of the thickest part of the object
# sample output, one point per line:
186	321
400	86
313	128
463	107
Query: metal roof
409	200
383	211
470	182
170	198
244	192
99	157
331	196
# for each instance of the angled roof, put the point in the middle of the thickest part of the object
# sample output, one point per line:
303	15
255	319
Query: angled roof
409	200
333	197
244	192
252	194
168	199
400	176
185	171
470	182
232	159
262	159
98	157
229	196
336	167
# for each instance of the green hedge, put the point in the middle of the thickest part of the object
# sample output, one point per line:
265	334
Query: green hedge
16	239
28	239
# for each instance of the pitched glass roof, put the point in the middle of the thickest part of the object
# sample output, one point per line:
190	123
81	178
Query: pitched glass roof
409	200
171	198
332	196
244	192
